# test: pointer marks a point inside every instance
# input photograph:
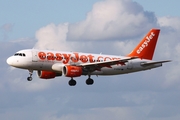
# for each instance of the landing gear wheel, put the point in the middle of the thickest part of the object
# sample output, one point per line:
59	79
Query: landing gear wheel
89	81
72	82
29	78
30	75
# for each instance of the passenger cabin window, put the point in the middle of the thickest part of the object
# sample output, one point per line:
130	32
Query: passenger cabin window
20	54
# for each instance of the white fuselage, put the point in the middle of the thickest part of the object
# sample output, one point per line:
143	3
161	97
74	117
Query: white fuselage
33	59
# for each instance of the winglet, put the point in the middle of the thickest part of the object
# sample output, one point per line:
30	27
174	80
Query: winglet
145	49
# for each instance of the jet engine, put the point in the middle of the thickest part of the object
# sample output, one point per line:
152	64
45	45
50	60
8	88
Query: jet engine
47	74
72	71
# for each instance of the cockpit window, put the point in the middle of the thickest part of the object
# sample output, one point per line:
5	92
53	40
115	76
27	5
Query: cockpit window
20	54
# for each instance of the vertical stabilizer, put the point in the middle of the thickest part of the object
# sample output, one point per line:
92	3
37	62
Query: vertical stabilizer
145	49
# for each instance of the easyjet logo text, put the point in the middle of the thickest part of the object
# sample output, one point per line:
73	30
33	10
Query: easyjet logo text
145	43
73	57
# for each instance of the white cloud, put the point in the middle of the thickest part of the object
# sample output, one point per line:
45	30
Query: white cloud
169	47
20	83
114	113
52	37
113	19
172	76
169	21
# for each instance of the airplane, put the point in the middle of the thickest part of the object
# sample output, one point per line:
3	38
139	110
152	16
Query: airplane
50	64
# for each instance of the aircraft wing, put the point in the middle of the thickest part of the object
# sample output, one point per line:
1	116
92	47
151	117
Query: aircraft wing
99	65
154	62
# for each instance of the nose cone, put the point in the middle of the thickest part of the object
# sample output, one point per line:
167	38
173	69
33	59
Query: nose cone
9	61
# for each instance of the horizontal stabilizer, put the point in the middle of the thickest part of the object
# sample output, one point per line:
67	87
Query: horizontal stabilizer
153	63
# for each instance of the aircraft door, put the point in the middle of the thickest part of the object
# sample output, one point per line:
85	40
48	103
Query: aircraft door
34	56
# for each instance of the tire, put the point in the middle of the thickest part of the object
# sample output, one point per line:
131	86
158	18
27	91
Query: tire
89	81
72	82
29	78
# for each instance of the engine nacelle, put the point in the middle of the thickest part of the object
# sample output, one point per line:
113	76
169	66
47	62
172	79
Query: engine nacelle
72	71
46	74
58	67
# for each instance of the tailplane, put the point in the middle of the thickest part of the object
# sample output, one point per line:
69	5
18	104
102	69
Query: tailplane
145	49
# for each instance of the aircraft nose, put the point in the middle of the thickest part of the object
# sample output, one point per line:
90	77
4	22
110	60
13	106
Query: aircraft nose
9	61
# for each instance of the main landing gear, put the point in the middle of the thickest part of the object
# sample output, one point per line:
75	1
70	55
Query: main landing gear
72	82
30	75
89	81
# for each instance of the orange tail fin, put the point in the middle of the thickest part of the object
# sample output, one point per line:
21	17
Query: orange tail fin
145	49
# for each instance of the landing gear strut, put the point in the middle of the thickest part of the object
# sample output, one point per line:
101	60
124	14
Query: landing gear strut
30	75
72	82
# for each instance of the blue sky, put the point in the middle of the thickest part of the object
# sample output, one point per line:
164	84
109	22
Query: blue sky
107	26
28	16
